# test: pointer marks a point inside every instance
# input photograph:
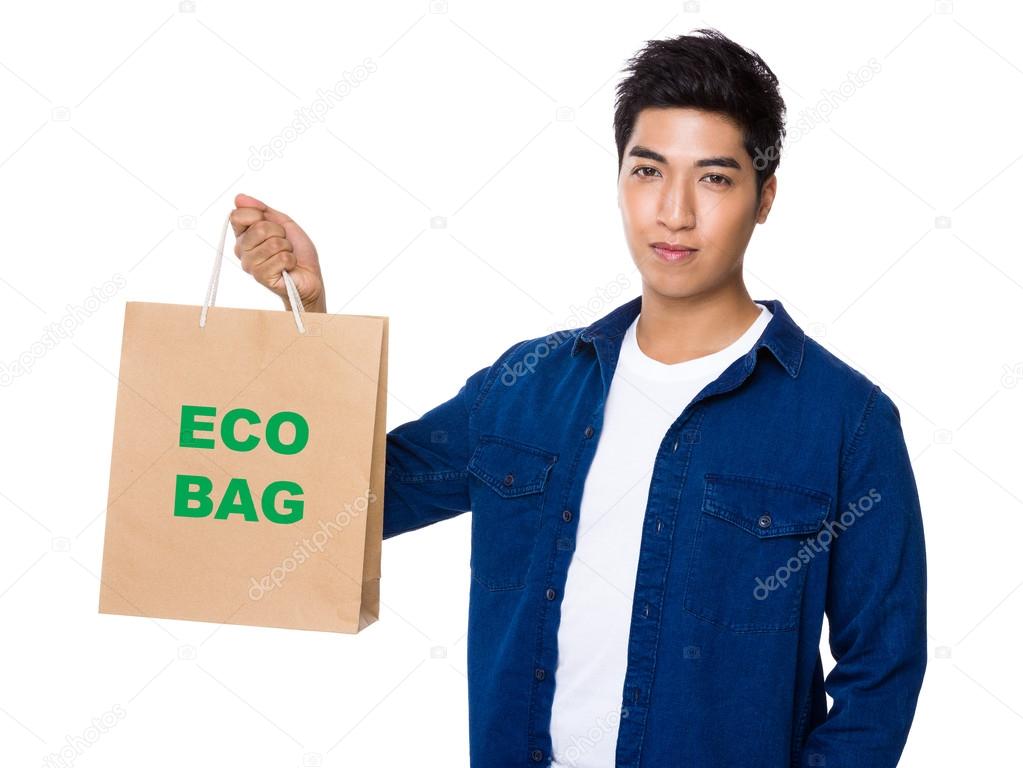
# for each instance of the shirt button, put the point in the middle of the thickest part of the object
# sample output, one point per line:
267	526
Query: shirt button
509	479
566	515
538	673
550	593
764	521
588	431
537	755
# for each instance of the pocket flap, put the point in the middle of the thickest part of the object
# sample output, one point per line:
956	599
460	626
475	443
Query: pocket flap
765	508
510	467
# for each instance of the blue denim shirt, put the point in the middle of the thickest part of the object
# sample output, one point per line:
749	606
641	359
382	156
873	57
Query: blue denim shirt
781	493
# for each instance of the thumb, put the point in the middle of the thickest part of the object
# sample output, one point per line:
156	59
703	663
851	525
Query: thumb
270	214
248	201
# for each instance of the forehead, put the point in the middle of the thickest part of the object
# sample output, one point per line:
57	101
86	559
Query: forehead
684	132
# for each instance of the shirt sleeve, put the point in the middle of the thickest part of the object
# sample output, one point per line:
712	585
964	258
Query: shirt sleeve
427	477
876	600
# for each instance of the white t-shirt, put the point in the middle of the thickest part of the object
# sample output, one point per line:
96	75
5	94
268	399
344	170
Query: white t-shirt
646	396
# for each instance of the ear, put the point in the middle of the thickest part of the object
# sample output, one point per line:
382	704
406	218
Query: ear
768	191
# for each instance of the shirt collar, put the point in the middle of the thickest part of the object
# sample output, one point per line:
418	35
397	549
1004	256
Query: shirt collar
782	336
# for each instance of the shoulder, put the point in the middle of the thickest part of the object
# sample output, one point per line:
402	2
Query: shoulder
542	355
853	397
538	353
827	372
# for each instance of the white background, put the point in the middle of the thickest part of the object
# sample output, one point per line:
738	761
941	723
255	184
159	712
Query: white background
127	129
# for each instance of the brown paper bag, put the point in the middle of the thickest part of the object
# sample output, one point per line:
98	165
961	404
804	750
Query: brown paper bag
247	471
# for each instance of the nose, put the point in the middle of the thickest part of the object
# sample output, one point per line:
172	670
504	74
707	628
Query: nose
676	208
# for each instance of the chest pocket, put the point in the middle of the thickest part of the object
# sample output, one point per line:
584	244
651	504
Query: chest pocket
750	555
507	508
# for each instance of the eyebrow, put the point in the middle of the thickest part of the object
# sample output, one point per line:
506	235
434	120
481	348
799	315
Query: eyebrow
649	154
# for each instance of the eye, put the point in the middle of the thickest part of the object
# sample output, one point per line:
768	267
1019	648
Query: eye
724	180
636	172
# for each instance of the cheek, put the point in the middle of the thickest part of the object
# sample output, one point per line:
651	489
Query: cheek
726	217
638	205
626	205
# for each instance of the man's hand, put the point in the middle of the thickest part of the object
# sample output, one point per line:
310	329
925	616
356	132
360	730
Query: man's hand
268	242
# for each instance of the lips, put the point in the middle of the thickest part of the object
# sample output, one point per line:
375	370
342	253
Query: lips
673	251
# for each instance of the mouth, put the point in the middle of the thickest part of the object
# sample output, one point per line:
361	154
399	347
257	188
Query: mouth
673	252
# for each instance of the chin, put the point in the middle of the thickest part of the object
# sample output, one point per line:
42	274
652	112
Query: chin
671	288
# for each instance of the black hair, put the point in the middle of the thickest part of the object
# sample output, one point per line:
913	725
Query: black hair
706	70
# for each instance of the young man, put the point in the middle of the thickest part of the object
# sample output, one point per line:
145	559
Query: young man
667	502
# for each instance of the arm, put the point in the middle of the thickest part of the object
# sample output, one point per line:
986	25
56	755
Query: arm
426	479
427	475
876	601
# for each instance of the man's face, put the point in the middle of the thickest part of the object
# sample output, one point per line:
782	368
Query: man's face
679	185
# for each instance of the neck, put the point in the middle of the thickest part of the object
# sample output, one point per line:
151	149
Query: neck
674	330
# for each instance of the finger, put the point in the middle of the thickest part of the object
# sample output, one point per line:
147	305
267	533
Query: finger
253	260
277	217
243	218
271	214
268	273
257	234
248	201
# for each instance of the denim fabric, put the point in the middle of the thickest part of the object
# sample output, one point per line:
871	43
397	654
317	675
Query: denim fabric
781	493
